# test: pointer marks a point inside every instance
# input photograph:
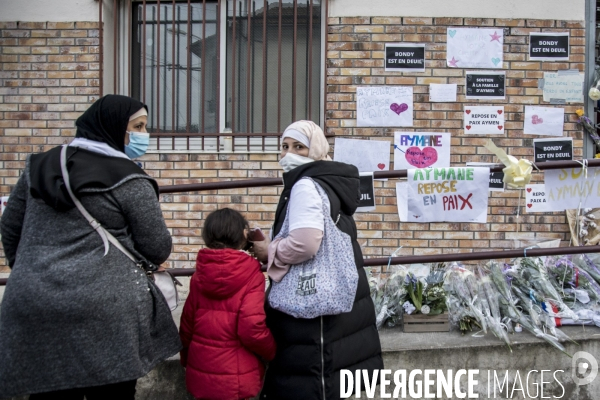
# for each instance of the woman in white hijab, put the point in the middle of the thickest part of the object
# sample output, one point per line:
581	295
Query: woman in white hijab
311	352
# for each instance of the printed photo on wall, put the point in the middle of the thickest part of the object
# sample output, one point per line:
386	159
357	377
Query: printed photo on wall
544	121
485	85
421	150
474	47
366	155
484	120
384	106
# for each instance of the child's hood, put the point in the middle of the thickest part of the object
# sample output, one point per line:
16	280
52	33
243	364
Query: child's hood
223	272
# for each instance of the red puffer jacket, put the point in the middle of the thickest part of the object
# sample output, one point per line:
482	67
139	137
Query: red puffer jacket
223	327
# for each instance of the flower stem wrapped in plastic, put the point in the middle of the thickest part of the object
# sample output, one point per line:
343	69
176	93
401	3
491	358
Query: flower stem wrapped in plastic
462	306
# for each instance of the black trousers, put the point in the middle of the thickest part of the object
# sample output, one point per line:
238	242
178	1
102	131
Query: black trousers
115	391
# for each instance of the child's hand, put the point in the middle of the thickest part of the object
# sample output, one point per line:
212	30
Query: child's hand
261	249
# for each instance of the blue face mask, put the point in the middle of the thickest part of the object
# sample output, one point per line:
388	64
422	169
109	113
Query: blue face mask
138	144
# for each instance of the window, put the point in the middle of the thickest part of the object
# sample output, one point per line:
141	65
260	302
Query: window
210	69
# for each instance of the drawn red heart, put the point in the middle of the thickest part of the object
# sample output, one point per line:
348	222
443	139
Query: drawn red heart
421	158
500	127
468	111
499	111
536	120
381	166
529	205
468	127
528	190
398	108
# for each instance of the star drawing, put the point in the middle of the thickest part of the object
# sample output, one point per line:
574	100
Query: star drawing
453	62
495	37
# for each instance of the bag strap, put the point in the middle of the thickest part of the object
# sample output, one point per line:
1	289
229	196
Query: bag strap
322	186
104	234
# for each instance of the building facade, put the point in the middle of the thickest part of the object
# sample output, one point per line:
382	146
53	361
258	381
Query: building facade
223	78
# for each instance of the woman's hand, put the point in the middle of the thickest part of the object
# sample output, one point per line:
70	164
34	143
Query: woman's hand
261	249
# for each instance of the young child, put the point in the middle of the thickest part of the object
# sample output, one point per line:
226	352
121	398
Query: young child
223	327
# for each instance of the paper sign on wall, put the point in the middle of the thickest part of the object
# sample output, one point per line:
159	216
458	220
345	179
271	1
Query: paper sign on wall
366	155
563	86
474	47
405	57
548	46
421	149
535	199
569	188
401	200
496	178
454	194
367	192
485	85
384	106
484	120
442	92
544	121
552	149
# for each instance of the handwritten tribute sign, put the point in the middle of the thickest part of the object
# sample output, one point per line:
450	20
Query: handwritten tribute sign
552	149
496	178
535	198
442	92
366	155
485	85
448	194
544	121
484	120
561	86
405	57
384	106
421	149
474	47
569	188
549	46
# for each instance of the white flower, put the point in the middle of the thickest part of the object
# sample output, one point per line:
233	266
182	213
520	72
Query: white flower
425	309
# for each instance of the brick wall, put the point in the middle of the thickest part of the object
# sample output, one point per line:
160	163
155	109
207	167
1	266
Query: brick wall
48	75
355	57
50	71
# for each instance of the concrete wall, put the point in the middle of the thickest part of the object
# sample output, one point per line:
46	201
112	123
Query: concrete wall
538	9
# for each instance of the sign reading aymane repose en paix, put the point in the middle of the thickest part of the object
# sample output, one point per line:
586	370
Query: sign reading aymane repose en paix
453	194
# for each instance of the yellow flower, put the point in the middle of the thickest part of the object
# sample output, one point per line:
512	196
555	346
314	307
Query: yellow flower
597	155
579	112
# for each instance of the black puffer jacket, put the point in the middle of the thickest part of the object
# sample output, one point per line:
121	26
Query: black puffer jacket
311	352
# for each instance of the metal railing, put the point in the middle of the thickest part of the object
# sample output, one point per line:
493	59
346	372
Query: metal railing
371	262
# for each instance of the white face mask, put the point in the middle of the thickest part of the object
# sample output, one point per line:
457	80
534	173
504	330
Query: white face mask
291	161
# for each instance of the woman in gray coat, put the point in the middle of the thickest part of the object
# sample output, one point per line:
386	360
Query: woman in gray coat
75	321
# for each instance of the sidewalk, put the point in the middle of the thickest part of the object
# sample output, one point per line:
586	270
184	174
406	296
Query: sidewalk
438	351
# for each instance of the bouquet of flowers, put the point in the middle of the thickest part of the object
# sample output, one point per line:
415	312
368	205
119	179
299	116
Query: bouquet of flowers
426	295
464	305
388	296
589	127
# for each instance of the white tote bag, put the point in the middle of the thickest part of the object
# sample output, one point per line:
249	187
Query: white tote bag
324	285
